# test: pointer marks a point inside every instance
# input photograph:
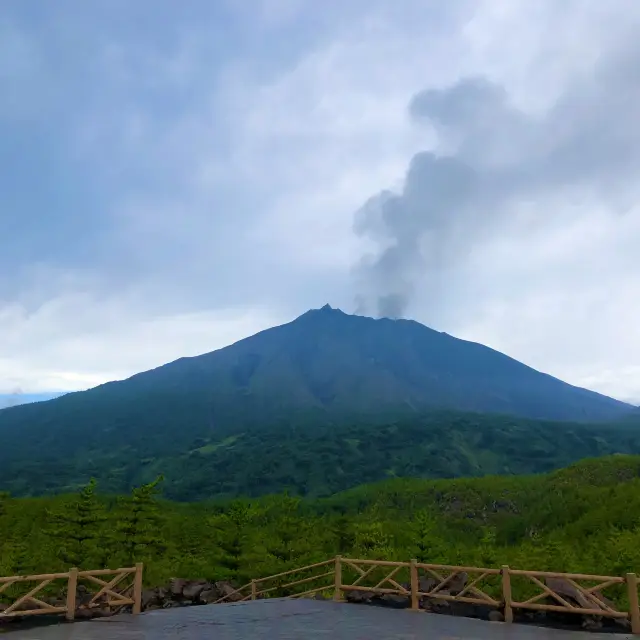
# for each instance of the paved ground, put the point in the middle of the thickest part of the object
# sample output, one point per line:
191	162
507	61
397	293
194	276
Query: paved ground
295	620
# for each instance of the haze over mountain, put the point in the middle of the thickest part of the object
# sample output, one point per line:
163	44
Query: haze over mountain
14	399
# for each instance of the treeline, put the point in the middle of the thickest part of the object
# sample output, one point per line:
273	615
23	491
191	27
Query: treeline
585	518
307	457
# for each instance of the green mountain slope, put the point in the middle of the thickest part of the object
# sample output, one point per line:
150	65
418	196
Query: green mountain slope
585	519
325	370
314	459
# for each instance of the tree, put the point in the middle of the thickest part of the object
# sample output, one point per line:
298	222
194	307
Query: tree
229	532
344	538
139	531
78	528
487	548
17	557
371	540
424	539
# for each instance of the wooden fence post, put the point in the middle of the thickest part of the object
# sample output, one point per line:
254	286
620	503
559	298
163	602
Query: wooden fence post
337	582
634	608
506	593
72	587
254	590
415	604
137	589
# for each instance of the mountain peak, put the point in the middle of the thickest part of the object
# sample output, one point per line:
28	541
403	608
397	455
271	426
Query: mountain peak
324	311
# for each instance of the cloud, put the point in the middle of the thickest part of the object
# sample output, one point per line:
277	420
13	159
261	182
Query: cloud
491	158
518	227
171	187
40	353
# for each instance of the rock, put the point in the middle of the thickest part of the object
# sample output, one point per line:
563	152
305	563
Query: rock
83	595
57	602
88	613
83	614
622	622
575	597
358	597
495	616
151	599
568	592
393	601
192	590
426	584
181	592
3	621
457	583
226	589
208	596
425	604
176	585
531	617
592	623
438	606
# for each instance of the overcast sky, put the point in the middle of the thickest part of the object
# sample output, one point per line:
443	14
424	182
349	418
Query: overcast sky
176	176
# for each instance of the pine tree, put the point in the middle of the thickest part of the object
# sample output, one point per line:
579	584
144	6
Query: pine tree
229	533
371	539
487	548
139	523
287	530
17	556
344	538
78	529
423	532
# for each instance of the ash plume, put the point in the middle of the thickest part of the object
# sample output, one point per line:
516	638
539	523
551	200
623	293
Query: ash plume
491	156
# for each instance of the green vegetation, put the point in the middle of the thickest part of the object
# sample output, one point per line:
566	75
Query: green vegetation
324	403
314	460
583	518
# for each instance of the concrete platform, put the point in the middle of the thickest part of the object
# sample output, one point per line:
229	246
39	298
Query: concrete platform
296	620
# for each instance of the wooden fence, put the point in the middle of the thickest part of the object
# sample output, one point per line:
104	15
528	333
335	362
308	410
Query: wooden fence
504	589
103	588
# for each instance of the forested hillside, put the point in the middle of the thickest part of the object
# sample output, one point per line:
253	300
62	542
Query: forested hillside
311	458
584	518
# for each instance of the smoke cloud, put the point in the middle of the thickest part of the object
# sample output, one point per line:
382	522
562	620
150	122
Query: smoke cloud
491	157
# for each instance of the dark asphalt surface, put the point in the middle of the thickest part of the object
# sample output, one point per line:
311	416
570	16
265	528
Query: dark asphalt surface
295	620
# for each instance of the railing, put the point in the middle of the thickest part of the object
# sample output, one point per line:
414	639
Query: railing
503	589
296	588
590	599
103	588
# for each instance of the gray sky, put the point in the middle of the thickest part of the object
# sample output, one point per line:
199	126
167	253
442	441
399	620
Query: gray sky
174	177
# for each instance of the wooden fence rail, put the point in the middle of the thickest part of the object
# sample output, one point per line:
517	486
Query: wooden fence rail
504	589
111	588
254	589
